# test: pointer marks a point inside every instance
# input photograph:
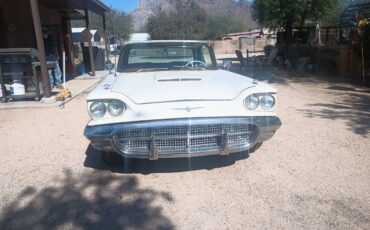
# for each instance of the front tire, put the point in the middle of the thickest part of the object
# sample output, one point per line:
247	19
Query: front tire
112	158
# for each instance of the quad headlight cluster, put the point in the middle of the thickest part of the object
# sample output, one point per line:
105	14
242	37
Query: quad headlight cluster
99	109
266	101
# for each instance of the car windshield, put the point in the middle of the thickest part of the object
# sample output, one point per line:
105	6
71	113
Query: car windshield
166	56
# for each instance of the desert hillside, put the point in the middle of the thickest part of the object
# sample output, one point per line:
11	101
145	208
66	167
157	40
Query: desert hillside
231	8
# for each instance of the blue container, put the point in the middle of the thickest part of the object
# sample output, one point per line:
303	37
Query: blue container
81	69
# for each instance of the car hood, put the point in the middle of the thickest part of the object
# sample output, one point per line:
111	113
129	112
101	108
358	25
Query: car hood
166	86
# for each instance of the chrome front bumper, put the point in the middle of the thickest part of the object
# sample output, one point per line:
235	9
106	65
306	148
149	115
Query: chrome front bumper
190	137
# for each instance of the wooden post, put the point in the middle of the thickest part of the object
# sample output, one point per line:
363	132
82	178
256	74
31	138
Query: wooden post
92	64
40	47
363	61
327	34
107	50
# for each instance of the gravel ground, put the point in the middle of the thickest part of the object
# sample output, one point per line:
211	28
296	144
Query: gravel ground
314	173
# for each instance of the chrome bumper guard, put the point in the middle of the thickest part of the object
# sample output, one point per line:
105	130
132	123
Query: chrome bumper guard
183	137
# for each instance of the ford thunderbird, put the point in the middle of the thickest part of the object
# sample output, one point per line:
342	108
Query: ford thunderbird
169	99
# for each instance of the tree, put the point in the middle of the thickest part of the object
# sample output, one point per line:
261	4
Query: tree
221	25
287	14
243	3
117	23
162	27
188	21
333	17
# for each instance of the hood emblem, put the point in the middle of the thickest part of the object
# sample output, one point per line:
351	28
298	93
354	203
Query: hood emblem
106	86
188	109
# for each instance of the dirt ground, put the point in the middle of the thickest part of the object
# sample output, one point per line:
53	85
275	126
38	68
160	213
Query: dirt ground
314	173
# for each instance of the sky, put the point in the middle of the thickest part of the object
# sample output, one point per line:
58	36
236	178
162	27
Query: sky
124	5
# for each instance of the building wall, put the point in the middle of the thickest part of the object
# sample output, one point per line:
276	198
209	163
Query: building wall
225	46
18	23
17	19
2	30
229	46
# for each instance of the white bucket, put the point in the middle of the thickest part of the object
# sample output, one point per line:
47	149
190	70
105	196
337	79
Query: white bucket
17	89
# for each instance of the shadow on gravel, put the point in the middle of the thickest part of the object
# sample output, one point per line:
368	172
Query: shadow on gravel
332	213
348	89
144	166
87	201
352	108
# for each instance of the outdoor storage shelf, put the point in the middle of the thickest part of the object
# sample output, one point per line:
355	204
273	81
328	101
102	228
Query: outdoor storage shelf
20	64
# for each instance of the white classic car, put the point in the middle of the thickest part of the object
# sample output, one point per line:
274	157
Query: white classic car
169	99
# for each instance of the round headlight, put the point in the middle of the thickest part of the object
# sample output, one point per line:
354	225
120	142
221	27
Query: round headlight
252	102
116	108
98	109
267	102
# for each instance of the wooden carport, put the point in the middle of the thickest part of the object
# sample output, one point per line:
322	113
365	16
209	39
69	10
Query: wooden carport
84	5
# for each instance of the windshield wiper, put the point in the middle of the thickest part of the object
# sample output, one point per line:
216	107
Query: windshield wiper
189	67
150	69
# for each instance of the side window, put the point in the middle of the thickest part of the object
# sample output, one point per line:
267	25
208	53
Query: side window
207	56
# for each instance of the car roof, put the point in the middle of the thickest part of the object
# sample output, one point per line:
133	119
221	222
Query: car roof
166	42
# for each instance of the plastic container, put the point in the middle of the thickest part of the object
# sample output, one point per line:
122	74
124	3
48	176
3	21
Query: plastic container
17	89
81	69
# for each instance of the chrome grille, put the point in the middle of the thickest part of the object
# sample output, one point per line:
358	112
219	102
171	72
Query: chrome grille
171	144
132	133
204	142
136	145
185	138
237	128
237	139
169	131
205	129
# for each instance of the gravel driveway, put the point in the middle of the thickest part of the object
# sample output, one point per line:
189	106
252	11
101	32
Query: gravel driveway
314	173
